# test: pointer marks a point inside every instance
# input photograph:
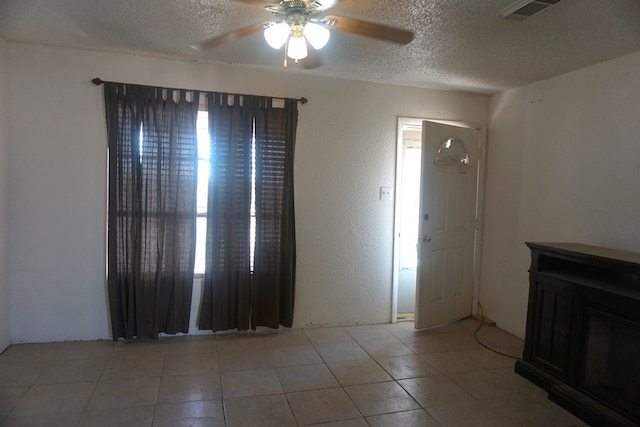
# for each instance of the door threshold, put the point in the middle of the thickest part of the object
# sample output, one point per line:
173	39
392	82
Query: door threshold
406	317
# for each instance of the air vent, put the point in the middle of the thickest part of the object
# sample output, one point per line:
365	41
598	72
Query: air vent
523	9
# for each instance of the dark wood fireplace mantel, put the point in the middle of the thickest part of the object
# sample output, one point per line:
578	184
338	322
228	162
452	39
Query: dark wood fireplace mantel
582	341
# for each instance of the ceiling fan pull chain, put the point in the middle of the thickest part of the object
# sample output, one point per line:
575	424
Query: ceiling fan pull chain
284	64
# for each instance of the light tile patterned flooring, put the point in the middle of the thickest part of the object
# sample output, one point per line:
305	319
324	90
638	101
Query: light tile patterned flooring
380	375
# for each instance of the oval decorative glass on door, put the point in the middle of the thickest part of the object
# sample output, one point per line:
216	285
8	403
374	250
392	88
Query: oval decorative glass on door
452	152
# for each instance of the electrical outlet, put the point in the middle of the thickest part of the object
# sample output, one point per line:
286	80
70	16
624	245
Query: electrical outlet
385	193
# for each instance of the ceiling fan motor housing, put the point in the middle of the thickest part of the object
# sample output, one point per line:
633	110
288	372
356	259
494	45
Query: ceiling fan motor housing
294	12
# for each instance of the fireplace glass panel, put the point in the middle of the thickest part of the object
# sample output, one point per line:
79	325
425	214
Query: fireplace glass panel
612	361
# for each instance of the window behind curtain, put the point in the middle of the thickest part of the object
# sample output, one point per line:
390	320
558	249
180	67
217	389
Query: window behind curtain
203	180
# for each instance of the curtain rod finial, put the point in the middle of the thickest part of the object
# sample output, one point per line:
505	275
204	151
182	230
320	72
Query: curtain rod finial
303	100
97	81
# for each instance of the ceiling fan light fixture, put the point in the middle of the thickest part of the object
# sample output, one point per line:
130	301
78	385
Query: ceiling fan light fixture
316	35
297	47
276	35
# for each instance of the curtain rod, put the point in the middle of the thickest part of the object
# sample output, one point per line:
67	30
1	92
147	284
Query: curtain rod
98	81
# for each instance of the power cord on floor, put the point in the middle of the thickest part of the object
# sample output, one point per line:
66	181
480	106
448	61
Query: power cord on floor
475	335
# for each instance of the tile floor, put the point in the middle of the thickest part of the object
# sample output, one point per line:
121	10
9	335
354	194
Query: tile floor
381	375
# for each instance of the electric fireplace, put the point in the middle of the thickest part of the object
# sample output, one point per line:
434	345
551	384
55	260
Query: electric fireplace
582	341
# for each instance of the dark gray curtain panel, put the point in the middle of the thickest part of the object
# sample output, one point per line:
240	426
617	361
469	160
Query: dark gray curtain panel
235	295
227	277
152	208
273	287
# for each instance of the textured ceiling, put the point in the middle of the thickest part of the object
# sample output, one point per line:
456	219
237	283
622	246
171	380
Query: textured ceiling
458	44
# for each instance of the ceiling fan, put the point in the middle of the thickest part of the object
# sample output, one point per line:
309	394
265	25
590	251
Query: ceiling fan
301	22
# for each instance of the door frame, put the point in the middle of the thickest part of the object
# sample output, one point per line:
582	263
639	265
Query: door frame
482	149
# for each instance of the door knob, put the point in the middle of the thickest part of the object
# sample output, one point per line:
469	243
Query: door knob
426	239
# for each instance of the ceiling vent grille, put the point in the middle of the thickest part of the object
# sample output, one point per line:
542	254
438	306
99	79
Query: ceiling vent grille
525	8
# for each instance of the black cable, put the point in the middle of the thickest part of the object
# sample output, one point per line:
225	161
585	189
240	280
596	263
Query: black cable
475	335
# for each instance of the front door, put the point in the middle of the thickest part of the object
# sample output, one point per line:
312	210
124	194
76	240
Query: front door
448	218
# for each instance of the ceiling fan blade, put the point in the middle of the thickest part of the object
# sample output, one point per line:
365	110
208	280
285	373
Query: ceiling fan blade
368	29
227	37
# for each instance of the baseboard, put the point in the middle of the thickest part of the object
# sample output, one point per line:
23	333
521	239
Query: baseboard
483	320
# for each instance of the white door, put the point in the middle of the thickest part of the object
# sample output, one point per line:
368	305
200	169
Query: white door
448	213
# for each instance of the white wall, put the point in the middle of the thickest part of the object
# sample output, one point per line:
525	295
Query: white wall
562	166
345	151
5	289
